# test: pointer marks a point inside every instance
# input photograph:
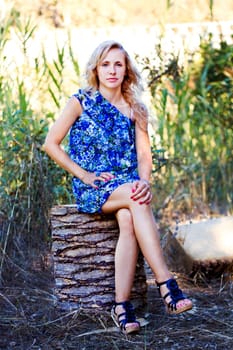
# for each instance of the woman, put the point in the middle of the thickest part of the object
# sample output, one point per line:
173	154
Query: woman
110	160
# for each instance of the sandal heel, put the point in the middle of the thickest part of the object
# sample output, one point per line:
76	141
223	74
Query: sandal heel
126	320
175	294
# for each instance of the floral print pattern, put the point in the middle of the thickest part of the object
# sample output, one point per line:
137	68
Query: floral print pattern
102	139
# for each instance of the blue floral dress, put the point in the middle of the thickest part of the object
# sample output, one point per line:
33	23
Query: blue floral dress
102	139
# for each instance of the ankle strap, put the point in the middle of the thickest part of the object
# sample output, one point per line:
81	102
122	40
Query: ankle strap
159	284
122	303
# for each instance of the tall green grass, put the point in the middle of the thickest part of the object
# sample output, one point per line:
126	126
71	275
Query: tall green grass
194	110
32	91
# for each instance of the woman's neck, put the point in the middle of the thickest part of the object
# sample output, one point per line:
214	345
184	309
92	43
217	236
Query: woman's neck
115	97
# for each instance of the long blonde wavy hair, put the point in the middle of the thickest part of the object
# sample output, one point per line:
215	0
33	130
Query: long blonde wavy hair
131	86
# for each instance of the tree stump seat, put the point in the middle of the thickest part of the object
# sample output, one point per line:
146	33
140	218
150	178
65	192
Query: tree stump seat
83	249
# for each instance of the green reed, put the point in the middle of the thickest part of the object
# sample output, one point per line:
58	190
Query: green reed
194	115
32	90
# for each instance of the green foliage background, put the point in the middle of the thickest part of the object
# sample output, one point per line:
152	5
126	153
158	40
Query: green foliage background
193	107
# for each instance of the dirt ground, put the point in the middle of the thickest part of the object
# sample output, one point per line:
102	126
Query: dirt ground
29	319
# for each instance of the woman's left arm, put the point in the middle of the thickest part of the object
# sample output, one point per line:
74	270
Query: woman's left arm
141	190
144	156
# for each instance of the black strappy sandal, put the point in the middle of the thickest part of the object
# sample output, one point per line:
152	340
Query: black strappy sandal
126	321
175	295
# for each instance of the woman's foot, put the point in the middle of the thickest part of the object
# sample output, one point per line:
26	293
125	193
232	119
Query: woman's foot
124	317
174	299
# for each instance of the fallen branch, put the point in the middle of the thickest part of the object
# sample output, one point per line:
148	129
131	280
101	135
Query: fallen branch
215	333
8	301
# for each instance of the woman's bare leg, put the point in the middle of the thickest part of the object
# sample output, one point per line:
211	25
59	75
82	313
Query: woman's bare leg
145	228
147	236
126	255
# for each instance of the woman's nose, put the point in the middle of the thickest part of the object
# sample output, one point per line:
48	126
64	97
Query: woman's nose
112	70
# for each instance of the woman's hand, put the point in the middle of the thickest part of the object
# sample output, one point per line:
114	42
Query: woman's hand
90	178
141	191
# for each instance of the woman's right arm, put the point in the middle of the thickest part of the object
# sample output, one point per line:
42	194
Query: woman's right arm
57	133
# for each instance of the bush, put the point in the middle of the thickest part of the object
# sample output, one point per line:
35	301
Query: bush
193	106
30	182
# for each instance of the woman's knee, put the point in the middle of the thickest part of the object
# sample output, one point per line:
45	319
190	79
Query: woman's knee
124	218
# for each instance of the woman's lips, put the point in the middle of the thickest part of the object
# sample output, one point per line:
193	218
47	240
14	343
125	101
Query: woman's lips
112	79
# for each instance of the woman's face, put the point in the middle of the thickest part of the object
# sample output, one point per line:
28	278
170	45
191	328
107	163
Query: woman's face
111	69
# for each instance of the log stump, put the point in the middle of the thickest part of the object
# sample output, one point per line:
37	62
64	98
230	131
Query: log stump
83	249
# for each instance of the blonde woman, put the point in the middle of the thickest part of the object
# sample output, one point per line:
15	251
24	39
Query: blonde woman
110	160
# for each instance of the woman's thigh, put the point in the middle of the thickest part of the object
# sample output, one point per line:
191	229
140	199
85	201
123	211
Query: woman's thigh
120	198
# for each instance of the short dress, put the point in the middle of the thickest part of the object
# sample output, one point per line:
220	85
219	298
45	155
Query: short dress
102	139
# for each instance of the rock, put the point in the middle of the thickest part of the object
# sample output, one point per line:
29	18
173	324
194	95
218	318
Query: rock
204	243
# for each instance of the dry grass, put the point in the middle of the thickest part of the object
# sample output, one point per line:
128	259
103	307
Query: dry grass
29	319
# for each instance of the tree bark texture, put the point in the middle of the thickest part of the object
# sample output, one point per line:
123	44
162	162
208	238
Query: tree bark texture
83	249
